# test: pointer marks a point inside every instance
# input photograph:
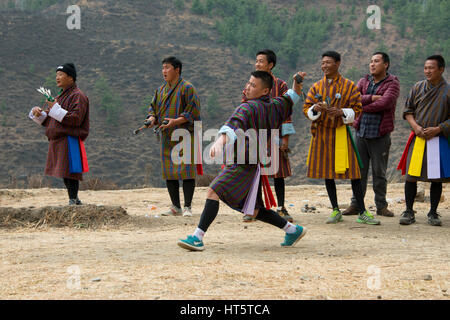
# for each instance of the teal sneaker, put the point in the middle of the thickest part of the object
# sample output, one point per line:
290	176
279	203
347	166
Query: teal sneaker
191	243
290	239
367	218
336	216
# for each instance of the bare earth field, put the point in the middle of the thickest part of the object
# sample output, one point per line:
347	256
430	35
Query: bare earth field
139	258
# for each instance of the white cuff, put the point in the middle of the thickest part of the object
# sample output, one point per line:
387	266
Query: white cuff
57	113
39	119
287	129
311	115
349	115
293	95
229	132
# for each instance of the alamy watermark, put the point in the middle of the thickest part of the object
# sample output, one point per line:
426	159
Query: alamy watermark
374	279
74	280
374	21
73	22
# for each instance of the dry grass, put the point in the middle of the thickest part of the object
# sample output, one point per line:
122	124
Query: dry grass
37	181
98	184
84	216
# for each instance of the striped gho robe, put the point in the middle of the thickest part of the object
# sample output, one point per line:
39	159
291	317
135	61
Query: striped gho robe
75	123
430	106
279	88
344	94
233	183
181	100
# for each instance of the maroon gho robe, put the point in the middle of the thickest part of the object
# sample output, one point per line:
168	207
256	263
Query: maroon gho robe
75	123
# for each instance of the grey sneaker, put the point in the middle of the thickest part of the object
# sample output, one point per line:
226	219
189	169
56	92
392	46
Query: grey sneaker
247	218
336	216
73	202
367	218
187	212
407	217
433	219
173	211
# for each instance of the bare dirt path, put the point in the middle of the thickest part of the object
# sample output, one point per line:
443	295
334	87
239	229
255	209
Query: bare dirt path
140	259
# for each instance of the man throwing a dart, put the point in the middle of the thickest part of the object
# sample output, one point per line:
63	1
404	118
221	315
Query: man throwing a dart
238	184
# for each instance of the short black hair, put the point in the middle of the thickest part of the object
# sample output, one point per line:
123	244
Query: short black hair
440	60
385	58
270	55
332	54
174	62
265	77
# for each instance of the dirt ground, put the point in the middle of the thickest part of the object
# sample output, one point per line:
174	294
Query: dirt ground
140	259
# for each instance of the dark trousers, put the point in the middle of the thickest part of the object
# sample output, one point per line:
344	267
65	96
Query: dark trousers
279	190
376	153
173	186
72	187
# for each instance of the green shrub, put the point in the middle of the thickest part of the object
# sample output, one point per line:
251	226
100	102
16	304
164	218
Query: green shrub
109	102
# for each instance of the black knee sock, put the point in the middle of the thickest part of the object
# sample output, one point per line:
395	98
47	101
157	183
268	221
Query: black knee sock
279	190
72	187
358	193
271	217
410	194
332	194
188	191
435	195
209	214
173	187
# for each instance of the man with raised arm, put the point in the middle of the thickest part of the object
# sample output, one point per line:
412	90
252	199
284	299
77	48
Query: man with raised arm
238	185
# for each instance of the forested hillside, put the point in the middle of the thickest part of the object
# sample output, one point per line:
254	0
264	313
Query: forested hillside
120	44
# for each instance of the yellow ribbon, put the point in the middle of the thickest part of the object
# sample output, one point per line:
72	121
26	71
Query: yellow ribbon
415	166
341	162
309	152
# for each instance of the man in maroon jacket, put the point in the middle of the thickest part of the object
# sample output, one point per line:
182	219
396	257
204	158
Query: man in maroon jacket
67	116
379	92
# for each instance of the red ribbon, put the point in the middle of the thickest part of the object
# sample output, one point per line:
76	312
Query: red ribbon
269	199
84	161
402	163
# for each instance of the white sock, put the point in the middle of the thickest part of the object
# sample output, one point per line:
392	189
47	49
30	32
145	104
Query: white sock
290	228
199	233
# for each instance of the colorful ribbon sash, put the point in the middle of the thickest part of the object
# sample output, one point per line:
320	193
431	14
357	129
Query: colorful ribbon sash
77	155
84	161
415	165
433	161
250	202
444	152
341	163
438	157
269	199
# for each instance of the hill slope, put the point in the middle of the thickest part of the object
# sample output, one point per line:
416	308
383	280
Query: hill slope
123	43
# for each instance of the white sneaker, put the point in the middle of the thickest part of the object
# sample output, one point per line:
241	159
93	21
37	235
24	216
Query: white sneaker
173	211
187	212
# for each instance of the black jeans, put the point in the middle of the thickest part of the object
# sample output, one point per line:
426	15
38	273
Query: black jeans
376	153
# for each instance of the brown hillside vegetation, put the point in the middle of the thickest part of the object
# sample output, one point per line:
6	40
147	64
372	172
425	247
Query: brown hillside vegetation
124	42
136	257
